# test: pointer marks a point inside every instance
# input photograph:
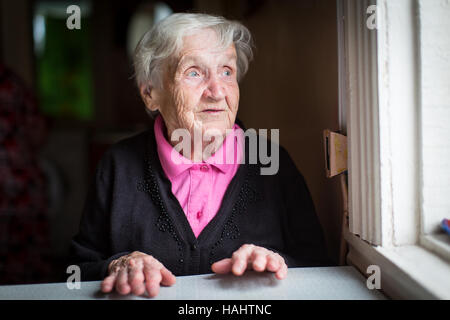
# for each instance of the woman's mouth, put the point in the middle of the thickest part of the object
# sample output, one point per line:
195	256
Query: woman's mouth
212	110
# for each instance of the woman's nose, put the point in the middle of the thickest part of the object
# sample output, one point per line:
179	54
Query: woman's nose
214	89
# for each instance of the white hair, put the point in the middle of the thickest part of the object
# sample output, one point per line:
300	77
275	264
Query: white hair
164	41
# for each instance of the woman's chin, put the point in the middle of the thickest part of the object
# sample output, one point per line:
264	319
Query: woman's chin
214	122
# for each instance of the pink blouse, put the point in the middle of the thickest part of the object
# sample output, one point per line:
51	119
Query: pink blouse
199	187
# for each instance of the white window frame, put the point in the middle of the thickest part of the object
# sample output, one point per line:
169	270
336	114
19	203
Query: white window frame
380	89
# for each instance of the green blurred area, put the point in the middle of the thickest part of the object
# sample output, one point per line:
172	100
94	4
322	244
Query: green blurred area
64	71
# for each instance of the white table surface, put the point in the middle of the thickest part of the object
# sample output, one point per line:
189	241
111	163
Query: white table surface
340	283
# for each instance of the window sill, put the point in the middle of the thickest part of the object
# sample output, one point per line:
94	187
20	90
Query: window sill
437	243
405	270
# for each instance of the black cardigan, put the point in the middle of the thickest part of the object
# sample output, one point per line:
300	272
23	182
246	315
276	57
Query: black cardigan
130	207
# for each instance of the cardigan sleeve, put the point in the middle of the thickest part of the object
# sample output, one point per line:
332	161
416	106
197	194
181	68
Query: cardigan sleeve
90	248
303	235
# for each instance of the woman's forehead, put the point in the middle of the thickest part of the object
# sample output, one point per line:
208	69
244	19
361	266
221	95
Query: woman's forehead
208	53
202	43
199	38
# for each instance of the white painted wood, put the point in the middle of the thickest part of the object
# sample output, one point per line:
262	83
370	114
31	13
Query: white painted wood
405	113
387	230
399	125
429	270
382	122
402	276
341	66
361	109
437	243
353	157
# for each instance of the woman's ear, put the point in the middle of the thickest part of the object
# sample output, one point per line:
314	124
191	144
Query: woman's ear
150	97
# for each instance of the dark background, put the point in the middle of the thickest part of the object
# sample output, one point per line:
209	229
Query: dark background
291	85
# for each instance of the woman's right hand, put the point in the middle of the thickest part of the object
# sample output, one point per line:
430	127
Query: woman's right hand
136	272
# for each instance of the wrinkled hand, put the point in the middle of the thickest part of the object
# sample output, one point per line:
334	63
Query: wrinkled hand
136	272
253	257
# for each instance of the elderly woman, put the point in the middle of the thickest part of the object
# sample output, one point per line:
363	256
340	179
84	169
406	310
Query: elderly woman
150	217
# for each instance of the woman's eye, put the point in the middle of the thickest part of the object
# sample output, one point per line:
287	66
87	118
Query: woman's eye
193	74
227	73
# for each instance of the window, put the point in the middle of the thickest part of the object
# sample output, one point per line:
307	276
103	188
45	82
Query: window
63	61
146	15
395	57
435	123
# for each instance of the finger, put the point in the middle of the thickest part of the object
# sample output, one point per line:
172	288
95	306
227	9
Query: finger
240	259
222	267
274	262
168	278
153	279
282	272
108	283
122	286
259	260
136	281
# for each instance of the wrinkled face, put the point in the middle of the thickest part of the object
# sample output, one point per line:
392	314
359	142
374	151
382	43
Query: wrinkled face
200	90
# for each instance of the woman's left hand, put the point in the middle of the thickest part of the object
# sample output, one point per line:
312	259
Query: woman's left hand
253	257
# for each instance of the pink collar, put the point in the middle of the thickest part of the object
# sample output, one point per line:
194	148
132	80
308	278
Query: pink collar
174	169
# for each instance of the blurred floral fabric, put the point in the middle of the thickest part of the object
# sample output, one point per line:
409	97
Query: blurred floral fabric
24	228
